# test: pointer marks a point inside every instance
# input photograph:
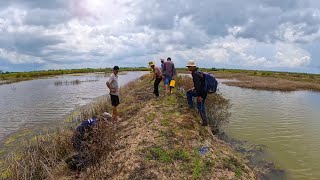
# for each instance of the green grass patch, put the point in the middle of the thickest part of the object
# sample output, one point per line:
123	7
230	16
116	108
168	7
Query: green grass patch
168	134
160	154
151	116
11	140
233	165
198	168
172	100
200	165
181	155
165	122
167	156
6	174
238	173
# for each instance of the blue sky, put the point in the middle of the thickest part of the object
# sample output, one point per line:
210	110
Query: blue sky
248	34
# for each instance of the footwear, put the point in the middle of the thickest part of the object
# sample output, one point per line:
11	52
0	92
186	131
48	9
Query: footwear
116	119
119	119
204	124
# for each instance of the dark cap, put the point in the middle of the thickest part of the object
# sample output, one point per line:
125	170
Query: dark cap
169	59
116	68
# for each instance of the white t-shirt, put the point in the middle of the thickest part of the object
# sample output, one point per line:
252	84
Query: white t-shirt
113	81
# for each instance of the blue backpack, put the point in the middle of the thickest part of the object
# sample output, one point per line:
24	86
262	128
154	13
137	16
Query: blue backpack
211	84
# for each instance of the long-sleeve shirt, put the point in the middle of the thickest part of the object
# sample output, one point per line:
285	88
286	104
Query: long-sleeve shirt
157	72
199	83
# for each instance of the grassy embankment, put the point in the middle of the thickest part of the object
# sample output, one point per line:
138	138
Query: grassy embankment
156	139
267	80
7	78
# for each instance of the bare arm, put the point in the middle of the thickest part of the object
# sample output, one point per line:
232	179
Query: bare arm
108	85
112	90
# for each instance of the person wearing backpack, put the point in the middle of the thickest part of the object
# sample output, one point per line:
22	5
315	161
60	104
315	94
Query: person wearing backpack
198	91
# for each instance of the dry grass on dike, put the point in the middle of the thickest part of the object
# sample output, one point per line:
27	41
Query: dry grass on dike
217	106
272	81
160	139
44	156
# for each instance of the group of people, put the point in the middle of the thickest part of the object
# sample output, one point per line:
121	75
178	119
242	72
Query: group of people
167	72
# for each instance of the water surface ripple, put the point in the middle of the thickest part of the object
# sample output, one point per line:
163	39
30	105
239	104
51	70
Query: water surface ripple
41	102
287	123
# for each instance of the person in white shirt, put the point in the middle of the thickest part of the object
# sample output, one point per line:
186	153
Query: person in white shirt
113	85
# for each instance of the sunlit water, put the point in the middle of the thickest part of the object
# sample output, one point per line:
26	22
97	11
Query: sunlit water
288	123
41	102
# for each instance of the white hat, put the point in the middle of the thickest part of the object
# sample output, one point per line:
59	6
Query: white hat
191	63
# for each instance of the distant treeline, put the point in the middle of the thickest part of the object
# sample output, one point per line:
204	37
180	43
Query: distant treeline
255	72
249	71
35	74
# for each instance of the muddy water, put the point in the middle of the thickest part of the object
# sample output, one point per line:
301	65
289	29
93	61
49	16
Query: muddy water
44	101
287	123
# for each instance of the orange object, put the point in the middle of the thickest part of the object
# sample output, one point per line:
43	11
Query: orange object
172	83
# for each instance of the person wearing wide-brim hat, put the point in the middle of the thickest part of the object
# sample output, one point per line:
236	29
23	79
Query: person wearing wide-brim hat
198	91
157	76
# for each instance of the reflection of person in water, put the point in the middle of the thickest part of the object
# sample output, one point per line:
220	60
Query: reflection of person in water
81	138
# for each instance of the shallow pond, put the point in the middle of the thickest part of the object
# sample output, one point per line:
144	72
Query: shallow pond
288	123
44	101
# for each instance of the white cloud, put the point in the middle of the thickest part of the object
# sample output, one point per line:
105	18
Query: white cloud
298	33
95	33
289	55
16	58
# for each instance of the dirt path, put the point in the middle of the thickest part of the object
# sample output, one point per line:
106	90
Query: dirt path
162	139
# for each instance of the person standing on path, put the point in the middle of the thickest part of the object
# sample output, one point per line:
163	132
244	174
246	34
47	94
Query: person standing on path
113	85
169	71
197	91
157	76
162	65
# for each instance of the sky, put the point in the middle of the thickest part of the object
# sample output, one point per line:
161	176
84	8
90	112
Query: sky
276	35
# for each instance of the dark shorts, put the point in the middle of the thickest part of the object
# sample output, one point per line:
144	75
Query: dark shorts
114	100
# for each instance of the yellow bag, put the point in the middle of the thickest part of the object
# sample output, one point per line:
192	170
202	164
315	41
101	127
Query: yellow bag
172	83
